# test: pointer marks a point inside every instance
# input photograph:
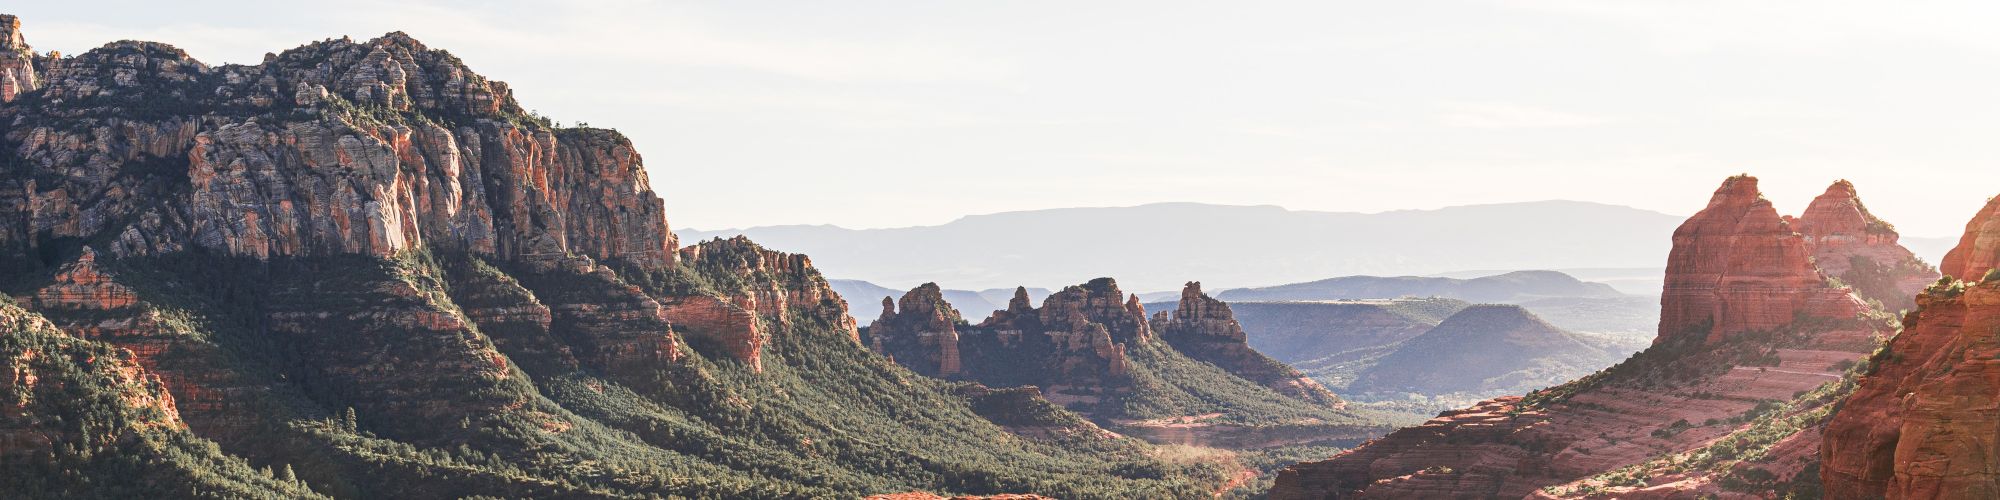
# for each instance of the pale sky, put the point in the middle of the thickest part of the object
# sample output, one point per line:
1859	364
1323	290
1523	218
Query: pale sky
878	114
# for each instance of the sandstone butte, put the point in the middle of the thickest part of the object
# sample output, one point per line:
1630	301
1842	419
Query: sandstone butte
1081	332
1922	423
136	150
1205	329
1073	347
1752	334
1080	350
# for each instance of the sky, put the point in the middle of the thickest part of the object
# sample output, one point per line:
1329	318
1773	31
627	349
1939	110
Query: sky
882	114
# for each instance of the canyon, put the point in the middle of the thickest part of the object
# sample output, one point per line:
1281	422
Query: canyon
359	269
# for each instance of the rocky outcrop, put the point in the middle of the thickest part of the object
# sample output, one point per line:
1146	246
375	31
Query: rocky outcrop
1751	353
1978	252
778	286
512	316
1921	423
1203	328
82	285
1737	267
920	332
1861	250
608	324
1184	377
1076	343
1070	346
17	61
756	291
336	147
87	302
40	393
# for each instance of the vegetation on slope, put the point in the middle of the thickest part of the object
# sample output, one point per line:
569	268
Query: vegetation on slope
824	418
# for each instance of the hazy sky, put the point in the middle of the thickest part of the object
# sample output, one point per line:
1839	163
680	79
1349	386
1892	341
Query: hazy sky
873	114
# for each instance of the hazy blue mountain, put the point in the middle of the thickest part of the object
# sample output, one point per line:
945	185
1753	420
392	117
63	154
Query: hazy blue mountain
1161	246
1486	350
1632	280
1510	287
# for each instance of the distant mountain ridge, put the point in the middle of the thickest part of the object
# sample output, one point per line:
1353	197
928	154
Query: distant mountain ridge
1493	349
1508	287
1228	246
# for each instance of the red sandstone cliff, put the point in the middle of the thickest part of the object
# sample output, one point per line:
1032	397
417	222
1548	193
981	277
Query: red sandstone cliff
1861	250
1751	339
922	335
1922	423
17	62
1738	267
68	399
336	147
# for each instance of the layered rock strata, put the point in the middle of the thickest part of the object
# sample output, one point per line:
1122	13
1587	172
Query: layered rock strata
335	147
1922	424
1738	267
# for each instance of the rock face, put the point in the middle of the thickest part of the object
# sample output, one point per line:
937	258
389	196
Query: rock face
773	291
926	329
1185	377
17	62
606	323
1849	243
1073	347
1749	359
1738	267
85	301
1204	329
1921	423
1979	250
334	147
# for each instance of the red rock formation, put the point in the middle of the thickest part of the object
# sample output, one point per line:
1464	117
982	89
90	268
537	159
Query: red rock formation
88	303
771	291
1738	267
81	285
1737	280
712	319
507	312
336	147
17	62
1842	234
1922	424
920	332
43	411
1979	251
1203	328
609	324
